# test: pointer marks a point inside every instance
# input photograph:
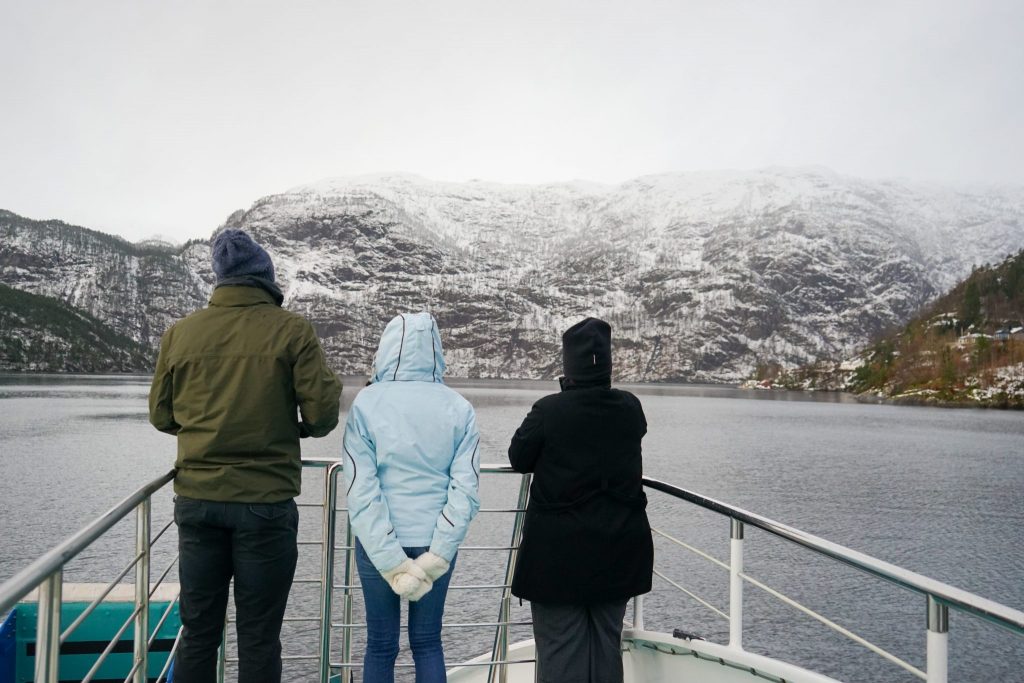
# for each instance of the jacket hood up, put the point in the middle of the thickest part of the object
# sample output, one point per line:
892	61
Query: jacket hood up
409	350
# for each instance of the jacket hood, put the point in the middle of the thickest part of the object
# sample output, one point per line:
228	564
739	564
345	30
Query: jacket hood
409	350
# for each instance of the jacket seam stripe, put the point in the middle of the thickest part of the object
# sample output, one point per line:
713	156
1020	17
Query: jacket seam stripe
401	346
355	470
433	350
446	519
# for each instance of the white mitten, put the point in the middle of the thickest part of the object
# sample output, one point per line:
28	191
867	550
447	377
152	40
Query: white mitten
433	565
405	579
421	590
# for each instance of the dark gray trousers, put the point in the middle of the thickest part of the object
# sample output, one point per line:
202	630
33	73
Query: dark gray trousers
578	643
255	544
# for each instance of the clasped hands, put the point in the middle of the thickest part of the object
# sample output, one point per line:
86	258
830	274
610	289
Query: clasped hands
414	578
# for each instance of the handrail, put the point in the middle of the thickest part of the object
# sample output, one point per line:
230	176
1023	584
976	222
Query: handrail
46	572
885	654
944	593
97	601
48	568
22	583
327	667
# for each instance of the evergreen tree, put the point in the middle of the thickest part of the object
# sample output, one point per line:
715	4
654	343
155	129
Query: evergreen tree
970	312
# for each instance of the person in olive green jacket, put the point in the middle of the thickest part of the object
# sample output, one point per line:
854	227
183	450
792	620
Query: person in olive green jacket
239	383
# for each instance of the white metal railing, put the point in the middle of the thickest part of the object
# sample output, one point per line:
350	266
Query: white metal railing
46	574
940	596
499	662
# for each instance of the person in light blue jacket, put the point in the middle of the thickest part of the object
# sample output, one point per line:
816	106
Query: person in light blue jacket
412	467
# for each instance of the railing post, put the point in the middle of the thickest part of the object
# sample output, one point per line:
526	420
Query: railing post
48	629
938	641
506	610
142	535
499	652
330	500
346	637
638	613
736	584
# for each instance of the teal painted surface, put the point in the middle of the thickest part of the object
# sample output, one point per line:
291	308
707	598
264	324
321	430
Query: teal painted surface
94	634
7	647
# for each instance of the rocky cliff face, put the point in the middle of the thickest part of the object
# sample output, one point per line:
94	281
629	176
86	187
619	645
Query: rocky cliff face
701	275
138	290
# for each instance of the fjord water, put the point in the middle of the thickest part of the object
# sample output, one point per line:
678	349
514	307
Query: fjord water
935	491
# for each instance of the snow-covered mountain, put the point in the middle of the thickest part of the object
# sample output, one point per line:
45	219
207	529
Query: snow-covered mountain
138	290
702	275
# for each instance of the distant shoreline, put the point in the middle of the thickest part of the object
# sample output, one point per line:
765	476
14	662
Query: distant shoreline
932	402
918	400
705	388
363	378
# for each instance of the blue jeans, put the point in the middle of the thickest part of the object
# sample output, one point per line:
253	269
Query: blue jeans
383	611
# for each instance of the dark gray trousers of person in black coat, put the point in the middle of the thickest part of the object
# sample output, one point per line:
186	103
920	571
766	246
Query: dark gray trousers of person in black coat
586	546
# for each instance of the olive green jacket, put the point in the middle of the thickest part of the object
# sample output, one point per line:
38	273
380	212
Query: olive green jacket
239	382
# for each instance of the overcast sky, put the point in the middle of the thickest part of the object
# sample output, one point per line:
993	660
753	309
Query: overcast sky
141	117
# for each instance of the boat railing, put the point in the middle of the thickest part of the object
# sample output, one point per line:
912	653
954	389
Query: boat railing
498	662
939	596
46	575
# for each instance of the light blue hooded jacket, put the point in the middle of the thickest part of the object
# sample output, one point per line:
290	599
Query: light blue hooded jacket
412	465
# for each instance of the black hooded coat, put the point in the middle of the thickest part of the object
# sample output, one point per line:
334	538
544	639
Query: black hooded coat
586	537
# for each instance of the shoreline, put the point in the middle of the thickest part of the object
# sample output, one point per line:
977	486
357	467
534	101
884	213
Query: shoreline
926	401
920	399
868	398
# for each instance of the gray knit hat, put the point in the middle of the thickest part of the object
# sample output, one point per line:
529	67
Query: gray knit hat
236	255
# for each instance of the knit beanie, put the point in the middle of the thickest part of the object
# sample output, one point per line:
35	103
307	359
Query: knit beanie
587	351
236	255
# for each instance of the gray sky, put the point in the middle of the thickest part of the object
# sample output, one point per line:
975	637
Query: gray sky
139	116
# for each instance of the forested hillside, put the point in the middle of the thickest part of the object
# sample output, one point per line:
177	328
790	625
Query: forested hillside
45	335
965	348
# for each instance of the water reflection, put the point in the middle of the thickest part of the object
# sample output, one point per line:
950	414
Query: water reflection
128	416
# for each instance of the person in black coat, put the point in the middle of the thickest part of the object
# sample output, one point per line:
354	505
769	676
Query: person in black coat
586	546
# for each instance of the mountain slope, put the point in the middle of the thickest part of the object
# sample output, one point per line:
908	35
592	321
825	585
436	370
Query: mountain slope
43	334
703	276
138	290
968	346
965	348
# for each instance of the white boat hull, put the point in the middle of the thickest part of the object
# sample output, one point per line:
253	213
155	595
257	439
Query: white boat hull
653	657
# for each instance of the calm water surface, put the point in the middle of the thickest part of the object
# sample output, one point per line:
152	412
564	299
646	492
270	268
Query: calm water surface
936	491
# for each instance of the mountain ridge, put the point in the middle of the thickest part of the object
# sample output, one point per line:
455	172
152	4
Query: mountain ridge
702	275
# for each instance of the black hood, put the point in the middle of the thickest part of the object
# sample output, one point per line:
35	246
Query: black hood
587	352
